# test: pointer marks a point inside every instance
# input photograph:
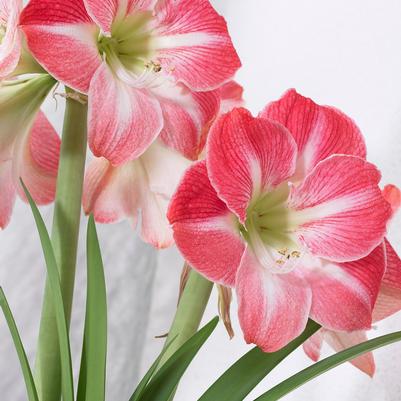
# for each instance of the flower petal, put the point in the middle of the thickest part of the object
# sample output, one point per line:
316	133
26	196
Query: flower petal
193	44
103	12
10	46
313	345
231	95
319	131
114	193
341	210
344	294
63	38
340	341
36	161
131	119
187	118
273	308
7	193
393	196
205	231
389	299
247	156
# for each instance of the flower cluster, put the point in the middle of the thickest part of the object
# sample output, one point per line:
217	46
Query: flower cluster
283	207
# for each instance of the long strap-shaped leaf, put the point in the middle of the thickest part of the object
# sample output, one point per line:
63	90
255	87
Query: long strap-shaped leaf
242	377
92	378
54	279
323	366
164	382
26	370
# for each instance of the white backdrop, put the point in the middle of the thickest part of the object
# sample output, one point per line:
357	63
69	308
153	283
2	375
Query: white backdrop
342	53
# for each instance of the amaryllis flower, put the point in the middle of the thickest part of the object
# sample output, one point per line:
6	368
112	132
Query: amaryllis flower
279	215
29	145
10	44
145	186
141	187
144	64
388	303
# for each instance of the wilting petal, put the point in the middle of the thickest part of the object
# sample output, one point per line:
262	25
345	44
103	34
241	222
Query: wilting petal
344	294
248	156
319	131
205	231
273	308
63	38
10	44
114	193
7	193
193	43
313	345
341	210
393	196
187	118
340	341
36	161
123	121
231	96
389	299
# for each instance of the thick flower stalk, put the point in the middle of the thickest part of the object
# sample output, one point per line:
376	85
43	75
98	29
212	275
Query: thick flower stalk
149	68
29	145
283	209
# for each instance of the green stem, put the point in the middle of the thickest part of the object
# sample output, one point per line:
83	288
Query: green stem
67	213
189	313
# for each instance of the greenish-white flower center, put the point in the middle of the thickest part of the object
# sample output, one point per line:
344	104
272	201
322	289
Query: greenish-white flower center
3	30
129	46
270	228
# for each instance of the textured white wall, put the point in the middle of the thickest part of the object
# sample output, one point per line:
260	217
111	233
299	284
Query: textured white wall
343	53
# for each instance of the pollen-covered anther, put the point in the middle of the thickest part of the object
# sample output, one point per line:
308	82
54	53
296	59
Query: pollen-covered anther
152	65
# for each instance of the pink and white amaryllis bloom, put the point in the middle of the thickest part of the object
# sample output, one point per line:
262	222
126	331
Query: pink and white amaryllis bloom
145	65
280	216
29	145
10	43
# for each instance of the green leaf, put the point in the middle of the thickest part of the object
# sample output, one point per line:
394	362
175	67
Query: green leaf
145	380
26	370
164	382
92	378
242	377
324	365
54	280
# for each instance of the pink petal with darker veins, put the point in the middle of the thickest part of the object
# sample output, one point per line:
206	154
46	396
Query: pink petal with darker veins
205	231
341	210
193	43
248	156
273	308
63	38
319	131
123	121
